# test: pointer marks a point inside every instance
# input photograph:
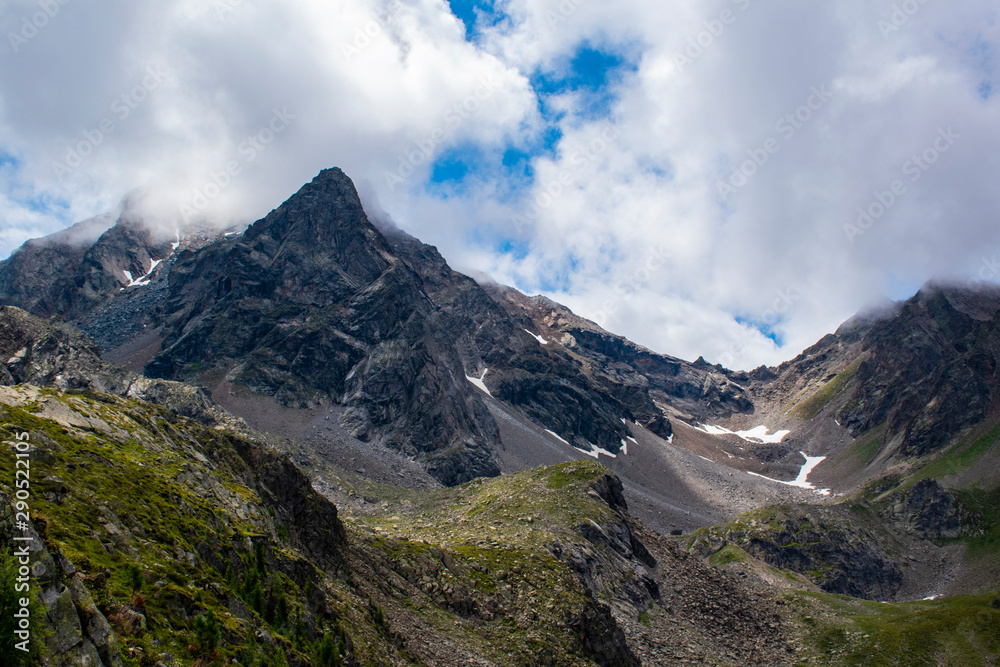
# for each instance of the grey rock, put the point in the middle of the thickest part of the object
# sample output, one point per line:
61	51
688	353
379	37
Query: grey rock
95	625
62	619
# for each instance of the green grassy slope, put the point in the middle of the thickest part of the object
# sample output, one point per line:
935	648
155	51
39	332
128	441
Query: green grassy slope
170	524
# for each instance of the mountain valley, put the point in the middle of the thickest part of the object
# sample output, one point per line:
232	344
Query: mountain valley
312	442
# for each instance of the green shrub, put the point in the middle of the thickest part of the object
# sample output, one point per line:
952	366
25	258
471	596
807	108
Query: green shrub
134	578
207	631
327	653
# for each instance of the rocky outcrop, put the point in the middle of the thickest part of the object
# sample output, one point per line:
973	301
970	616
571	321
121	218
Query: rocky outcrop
52	354
929	511
311	521
830	545
837	560
73	629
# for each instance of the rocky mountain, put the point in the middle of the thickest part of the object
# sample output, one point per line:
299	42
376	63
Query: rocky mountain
327	447
900	383
162	537
67	276
42	271
165	530
694	392
361	341
317	308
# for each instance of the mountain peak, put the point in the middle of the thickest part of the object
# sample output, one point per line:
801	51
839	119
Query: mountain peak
328	202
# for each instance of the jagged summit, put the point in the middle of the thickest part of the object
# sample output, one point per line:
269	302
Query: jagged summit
378	342
376	363
318	309
323	208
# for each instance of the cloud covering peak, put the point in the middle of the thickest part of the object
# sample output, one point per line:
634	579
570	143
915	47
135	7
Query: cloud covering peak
727	178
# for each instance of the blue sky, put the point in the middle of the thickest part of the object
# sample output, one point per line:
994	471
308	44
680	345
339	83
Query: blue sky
591	75
589	170
476	15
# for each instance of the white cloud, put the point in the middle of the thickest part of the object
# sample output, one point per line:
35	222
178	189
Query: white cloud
375	87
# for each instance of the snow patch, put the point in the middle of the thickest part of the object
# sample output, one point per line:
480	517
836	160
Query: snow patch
802	481
595	451
556	436
756	434
537	337
479	382
624	448
140	282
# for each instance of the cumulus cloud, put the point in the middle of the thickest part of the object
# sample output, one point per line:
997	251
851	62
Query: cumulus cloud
708	178
225	108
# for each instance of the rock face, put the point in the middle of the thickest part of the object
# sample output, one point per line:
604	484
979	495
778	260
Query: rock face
930	511
50	354
312	307
637	377
547	382
932	369
65	275
40	273
75	631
